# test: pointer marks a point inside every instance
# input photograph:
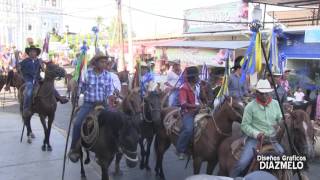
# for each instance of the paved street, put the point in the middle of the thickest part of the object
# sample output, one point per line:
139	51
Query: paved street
173	168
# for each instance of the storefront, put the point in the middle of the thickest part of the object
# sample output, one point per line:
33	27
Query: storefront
302	51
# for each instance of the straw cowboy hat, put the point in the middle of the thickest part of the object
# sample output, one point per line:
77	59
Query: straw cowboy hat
143	64
175	61
32	47
264	86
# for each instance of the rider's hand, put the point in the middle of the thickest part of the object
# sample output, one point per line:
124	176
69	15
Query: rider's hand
260	136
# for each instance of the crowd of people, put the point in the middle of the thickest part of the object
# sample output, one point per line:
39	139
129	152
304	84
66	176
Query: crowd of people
260	119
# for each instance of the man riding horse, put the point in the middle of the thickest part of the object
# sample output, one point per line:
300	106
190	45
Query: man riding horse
96	87
173	83
30	69
189	103
260	120
237	89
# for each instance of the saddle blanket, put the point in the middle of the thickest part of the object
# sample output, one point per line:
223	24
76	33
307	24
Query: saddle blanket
173	123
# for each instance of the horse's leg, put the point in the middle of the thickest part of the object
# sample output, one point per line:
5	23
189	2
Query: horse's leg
83	173
161	146
149	141
87	161
29	131
211	165
105	163
117	164
14	92
45	130
50	121
197	165
142	152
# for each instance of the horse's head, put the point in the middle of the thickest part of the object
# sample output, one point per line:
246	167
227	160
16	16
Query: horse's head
232	109
206	92
152	107
132	105
53	71
128	142
302	133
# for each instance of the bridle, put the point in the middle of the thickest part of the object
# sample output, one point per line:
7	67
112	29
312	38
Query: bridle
151	111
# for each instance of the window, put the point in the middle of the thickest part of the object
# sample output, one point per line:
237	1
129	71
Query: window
29	27
54	3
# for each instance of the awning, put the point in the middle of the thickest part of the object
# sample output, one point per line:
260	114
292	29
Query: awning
207	44
290	3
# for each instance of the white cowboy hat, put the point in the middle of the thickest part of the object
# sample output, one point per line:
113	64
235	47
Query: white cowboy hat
264	86
143	64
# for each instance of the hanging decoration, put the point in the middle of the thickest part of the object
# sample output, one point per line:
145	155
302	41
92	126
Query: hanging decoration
277	60
81	68
95	30
252	61
224	87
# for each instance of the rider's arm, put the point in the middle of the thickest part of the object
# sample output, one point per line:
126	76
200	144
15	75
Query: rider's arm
246	124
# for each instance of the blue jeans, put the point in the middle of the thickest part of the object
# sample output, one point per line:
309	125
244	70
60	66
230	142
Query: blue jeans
186	132
27	94
247	156
84	110
173	98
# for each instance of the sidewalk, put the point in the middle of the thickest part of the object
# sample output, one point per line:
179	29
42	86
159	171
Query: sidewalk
23	161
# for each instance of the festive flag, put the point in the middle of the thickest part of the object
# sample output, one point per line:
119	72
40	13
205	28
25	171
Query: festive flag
81	68
204	76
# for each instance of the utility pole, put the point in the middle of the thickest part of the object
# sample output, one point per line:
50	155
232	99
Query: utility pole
121	43
130	43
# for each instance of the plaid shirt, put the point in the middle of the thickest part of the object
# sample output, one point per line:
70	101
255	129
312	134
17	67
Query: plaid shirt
96	88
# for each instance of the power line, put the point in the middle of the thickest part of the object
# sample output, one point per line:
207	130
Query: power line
212	22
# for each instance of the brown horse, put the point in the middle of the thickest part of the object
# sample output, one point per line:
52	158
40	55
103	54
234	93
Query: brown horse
44	103
219	126
300	131
16	81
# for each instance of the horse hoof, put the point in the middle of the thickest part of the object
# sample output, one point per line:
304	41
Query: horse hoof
32	135
148	168
43	148
141	166
29	140
49	148
87	161
118	173
83	176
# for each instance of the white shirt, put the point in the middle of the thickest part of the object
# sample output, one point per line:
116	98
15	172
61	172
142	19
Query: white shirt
299	96
116	84
172	78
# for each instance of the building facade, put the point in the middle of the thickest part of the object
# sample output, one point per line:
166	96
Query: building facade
28	18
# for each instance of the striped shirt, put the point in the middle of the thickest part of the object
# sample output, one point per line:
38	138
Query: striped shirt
96	87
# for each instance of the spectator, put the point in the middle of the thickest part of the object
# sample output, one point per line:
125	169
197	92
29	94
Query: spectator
299	95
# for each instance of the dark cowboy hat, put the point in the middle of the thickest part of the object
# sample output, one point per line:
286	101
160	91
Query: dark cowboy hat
32	47
236	66
97	58
192	71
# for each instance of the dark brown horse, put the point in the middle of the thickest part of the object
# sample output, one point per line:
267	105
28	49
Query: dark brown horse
147	116
16	81
219	126
115	133
44	103
301	133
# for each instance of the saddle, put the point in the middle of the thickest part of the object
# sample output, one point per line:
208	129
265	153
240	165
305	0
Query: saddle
90	128
173	123
238	144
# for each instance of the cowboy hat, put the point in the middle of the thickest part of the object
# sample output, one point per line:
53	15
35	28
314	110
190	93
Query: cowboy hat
32	47
175	61
143	64
264	86
192	71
